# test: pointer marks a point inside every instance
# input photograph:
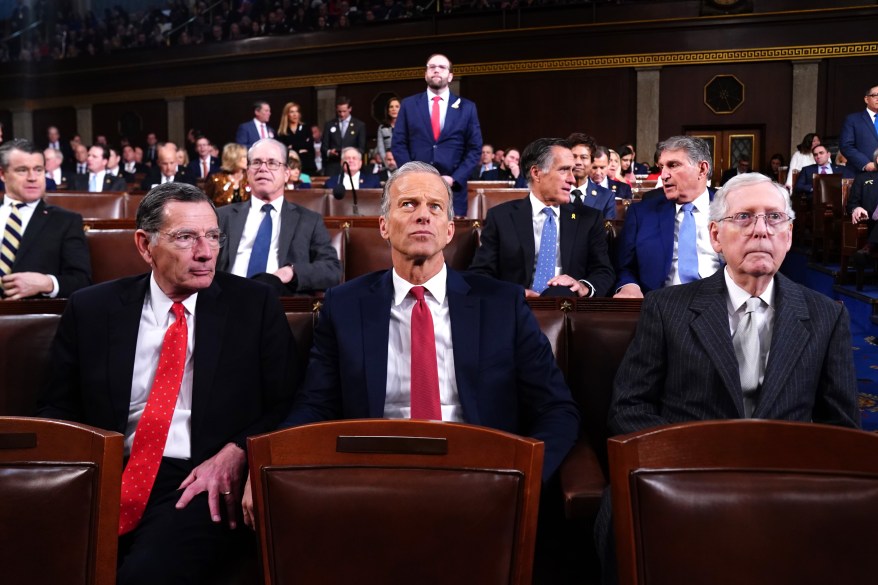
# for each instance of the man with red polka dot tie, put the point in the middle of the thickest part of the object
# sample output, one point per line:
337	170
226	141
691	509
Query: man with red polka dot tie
187	363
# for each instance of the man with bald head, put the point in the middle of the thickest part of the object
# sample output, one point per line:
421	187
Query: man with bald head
166	169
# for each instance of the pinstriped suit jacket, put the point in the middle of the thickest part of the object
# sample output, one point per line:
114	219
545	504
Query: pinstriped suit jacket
681	365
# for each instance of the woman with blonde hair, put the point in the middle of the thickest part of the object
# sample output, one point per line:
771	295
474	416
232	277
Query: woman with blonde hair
296	136
229	185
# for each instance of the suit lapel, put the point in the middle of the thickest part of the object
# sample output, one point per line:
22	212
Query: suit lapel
789	336
522	219
236	229
31	236
123	323
452	116
569	235
464	312
666	218
289	219
375	329
711	327
867	120
423	114
211	314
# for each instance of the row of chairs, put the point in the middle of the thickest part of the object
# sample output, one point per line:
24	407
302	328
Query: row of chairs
374	501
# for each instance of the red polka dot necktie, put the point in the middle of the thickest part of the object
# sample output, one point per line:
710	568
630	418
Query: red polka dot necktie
425	373
152	430
434	117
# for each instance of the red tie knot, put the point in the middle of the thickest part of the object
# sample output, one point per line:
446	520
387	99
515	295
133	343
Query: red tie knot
418	293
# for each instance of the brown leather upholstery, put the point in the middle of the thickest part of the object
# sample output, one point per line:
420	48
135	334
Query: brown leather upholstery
90	205
395	501
313	199
132	202
597	341
368	203
828	213
60	485
337	237
24	361
493	197
745	501
113	254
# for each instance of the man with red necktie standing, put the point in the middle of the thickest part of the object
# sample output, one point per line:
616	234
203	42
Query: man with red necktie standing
257	128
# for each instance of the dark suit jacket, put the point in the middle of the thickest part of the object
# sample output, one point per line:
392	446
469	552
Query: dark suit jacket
640	168
681	365
858	139
599	198
621	189
132	177
303	242
332	139
505	371
507	249
864	193
111	183
154	177
367	181
242	383
247	133
646	244
456	153
729	174
194	167
805	180
66	181
54	243
499	174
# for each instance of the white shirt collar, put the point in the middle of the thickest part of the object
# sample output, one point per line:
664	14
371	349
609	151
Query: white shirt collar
701	203
257	203
444	94
738	296
436	285
537	206
161	304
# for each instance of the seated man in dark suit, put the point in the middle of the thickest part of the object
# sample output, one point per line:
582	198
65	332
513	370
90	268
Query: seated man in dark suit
43	251
423	341
97	179
542	242
509	170
823	166
289	247
744	343
215	346
665	240
130	167
56	176
742	167
166	169
597	193
863	206
352	160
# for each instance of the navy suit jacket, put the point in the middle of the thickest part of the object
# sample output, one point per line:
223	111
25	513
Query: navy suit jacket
247	133
864	193
508	251
681	365
646	244
506	375
805	180
367	181
621	189
154	177
242	381
599	198
858	139
194	167
112	183
303	242
55	244
456	153
333	140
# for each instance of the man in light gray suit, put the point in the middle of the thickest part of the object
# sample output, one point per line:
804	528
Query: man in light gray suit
697	353
272	240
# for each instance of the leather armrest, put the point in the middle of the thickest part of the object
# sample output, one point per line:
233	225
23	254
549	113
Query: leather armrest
582	482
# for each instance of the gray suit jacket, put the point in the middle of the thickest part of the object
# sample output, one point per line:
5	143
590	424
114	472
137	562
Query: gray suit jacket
303	242
681	365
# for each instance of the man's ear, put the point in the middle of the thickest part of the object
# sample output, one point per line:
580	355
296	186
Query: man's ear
142	241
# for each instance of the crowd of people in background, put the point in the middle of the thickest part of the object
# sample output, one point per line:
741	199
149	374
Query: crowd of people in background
41	30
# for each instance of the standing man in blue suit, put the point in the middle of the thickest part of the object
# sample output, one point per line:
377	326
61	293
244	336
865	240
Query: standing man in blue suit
257	128
649	246
440	128
859	136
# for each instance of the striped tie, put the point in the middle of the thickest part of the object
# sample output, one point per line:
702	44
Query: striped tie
11	238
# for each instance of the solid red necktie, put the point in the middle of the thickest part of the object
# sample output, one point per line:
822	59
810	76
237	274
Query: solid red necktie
262	130
425	373
152	429
204	169
434	117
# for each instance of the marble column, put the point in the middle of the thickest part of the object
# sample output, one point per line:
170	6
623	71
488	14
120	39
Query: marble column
647	114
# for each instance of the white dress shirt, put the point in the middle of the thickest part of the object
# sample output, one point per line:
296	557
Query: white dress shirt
155	318
708	259
26	213
763	317
539	220
346	180
443	105
248	238
397	401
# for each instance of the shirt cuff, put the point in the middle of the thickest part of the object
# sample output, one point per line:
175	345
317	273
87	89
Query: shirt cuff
590	287
55	287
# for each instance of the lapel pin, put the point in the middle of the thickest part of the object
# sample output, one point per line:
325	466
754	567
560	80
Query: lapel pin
572	216
594	192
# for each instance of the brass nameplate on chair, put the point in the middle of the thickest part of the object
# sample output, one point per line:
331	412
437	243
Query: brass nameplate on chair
18	440
392	445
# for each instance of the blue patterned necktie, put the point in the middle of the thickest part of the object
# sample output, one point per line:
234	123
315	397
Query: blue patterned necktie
546	261
687	251
259	253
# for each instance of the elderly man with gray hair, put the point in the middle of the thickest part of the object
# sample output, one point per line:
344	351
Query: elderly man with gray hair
665	240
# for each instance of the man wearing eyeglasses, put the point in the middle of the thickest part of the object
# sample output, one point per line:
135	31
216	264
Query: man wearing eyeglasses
271	239
43	251
186	363
858	138
744	343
